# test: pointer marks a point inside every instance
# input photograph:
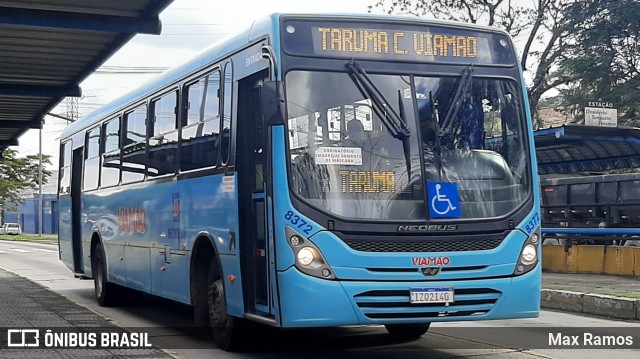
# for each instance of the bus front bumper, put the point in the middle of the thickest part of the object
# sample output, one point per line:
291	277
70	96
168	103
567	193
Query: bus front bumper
307	301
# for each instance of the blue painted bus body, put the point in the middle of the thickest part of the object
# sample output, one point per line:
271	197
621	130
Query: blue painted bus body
308	301
157	260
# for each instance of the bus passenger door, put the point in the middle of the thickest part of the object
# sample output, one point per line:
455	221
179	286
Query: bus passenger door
76	210
251	164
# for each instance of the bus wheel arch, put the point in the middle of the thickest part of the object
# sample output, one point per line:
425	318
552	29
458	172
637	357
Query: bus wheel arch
95	239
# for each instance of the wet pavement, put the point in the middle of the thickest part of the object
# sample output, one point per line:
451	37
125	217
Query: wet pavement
25	304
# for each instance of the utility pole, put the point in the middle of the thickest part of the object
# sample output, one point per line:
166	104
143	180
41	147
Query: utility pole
73	108
72	115
40	180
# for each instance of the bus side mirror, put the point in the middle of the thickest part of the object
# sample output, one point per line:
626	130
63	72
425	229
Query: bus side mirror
271	96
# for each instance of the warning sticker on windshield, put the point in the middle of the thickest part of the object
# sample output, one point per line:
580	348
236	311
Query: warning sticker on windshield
338	156
228	183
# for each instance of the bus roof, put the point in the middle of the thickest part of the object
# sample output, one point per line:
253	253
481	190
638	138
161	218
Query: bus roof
261	27
169	77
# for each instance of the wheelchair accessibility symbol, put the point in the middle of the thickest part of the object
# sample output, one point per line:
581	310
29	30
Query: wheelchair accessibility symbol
444	201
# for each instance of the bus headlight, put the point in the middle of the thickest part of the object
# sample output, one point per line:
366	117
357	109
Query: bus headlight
295	240
528	258
529	254
308	258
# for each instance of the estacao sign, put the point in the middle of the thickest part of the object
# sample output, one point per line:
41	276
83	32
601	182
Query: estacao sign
600	104
598	113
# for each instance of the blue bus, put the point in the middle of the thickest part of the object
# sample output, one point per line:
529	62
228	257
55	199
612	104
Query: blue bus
315	170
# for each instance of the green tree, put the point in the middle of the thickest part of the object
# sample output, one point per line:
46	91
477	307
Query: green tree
18	174
544	24
604	58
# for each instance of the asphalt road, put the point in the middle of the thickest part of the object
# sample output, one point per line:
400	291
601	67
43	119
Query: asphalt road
490	339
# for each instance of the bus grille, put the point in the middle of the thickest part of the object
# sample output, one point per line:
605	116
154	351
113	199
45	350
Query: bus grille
446	245
395	304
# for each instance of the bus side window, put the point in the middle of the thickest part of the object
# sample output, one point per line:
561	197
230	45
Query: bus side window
134	145
92	160
65	168
110	175
201	132
225	145
162	145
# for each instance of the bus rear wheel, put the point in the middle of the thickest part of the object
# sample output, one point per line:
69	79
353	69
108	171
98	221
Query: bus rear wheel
407	331
106	292
225	327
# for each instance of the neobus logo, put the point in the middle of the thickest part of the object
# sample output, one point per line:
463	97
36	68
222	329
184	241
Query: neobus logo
429	228
132	219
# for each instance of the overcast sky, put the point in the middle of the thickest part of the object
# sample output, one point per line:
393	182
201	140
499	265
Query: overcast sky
188	27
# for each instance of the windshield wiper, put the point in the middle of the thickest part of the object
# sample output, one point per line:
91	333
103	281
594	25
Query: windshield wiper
458	98
435	122
394	122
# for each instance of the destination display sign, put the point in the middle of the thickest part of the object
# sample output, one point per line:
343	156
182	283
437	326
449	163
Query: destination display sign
398	42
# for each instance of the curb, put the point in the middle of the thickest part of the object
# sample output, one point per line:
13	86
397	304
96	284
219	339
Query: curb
37	241
598	304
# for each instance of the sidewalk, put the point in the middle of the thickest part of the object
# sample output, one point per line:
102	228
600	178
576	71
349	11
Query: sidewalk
27	305
30	237
606	295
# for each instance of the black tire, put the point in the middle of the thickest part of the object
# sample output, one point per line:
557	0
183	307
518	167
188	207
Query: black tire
106	293
225	327
407	331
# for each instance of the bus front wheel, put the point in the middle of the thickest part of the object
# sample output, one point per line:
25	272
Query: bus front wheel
224	326
407	331
105	291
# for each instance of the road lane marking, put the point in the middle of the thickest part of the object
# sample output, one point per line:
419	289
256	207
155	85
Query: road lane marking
19	250
3	252
45	250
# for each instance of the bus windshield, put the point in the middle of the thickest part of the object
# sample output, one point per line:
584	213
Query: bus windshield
348	159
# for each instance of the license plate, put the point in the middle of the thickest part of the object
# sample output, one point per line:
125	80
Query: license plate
431	295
